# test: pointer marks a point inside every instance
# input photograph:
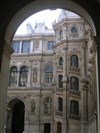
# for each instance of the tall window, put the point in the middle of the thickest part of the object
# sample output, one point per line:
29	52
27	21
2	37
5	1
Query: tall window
48	74
13	76
60	61
60	77
60	104
23	76
74	61
50	45
16	46
47	105
25	47
74	83
74	107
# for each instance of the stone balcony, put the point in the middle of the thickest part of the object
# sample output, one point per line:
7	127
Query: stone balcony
59	68
74	117
74	70
58	113
74	92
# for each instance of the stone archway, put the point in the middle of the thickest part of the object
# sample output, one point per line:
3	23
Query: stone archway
18	19
15	116
37	6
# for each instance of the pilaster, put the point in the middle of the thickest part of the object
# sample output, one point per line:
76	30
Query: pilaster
84	108
97	41
5	52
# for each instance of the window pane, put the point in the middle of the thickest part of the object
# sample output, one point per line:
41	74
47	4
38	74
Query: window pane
23	76
25	47
61	61
15	46
47	105
74	83
50	45
74	107
60	81
74	61
48	74
60	104
13	76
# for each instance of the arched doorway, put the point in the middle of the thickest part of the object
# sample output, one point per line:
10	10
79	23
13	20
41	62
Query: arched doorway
15	116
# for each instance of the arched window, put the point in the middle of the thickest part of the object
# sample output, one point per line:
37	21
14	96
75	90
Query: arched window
74	61
13	76
23	76
60	61
74	83
74	107
48	105
60	104
48	74
60	77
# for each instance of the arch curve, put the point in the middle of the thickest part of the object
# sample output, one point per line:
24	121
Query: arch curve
39	5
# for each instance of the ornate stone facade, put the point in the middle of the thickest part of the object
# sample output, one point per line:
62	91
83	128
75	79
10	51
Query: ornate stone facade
52	82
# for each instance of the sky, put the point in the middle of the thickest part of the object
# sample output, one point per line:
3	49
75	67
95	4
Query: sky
46	16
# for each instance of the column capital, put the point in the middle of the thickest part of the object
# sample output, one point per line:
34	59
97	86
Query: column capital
7	49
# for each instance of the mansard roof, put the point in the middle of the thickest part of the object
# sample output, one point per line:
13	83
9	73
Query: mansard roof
67	15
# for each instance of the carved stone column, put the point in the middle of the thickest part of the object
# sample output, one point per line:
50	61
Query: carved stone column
84	109
29	74
97	40
5	53
83	60
65	64
65	109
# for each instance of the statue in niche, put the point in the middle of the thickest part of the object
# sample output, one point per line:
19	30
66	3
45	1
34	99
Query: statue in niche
33	106
34	76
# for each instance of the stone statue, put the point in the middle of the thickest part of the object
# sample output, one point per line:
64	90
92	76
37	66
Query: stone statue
33	106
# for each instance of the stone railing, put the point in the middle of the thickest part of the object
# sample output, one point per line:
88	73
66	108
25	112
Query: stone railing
59	67
58	113
74	92
74	70
59	89
74	117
